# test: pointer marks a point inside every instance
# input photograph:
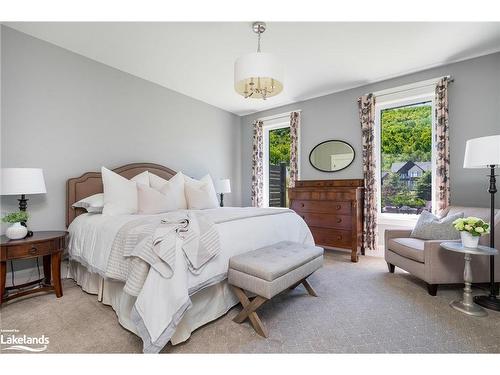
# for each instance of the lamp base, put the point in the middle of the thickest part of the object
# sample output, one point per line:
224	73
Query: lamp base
488	302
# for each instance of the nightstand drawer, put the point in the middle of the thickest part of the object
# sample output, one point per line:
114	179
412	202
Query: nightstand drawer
31	250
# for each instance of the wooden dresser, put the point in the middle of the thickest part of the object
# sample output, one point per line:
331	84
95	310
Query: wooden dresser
333	210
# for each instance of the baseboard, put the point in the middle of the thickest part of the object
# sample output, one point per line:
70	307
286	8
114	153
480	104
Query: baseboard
30	274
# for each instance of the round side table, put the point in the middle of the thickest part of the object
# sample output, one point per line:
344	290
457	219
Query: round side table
467	305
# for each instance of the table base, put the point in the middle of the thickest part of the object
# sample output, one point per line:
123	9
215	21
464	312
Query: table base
490	302
472	309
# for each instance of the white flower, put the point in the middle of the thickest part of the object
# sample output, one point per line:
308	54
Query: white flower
479	230
468	227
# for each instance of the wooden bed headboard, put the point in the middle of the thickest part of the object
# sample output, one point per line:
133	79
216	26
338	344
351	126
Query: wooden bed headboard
91	183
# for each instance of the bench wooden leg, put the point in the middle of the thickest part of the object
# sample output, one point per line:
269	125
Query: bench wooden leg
309	288
306	284
248	311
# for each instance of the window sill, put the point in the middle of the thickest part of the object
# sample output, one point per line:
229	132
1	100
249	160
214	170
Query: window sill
397	219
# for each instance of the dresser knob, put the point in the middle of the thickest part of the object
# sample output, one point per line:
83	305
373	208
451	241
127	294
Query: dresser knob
339	220
338	207
302	205
33	250
339	238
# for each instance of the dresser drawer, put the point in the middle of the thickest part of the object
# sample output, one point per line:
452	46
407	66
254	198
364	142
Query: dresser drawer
326	220
32	250
339	195
332	237
327	207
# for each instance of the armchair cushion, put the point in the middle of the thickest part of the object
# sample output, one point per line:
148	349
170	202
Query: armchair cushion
411	248
430	227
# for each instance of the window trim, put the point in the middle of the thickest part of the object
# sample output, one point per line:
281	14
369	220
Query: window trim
402	100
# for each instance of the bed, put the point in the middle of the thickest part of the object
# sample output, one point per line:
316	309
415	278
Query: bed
164	309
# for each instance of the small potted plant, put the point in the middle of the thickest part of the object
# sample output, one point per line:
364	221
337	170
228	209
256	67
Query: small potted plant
471	228
16	231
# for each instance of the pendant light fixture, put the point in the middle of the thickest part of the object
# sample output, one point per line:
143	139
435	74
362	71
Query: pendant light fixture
258	75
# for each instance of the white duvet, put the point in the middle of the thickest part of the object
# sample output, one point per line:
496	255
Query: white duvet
162	302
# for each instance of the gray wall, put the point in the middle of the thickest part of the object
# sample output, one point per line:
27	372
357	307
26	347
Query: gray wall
474	103
68	115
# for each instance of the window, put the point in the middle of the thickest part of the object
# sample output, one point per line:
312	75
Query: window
405	129
276	162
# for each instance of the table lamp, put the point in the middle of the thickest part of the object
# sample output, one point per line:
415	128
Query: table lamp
484	152
22	181
223	187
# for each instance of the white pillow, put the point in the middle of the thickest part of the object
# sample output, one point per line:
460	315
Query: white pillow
157	182
142	178
94	203
200	194
120	194
169	197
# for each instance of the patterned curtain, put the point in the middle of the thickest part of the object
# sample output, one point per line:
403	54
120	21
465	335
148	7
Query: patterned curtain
257	165
294	145
442	142
367	117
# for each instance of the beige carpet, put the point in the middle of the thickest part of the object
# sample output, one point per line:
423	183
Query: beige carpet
361	309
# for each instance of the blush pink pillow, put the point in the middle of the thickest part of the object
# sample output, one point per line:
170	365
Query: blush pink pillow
157	198
151	201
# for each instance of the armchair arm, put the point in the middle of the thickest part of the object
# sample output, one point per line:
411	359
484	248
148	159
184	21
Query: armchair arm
395	233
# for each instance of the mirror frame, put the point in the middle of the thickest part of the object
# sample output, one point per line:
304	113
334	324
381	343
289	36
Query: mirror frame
332	140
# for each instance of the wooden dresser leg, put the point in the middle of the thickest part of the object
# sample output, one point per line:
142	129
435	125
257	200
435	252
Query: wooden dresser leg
3	275
354	255
56	273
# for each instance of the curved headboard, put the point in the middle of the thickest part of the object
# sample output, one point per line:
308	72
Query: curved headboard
91	183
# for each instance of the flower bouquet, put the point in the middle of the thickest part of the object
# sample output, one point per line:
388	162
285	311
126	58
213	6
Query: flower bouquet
471	228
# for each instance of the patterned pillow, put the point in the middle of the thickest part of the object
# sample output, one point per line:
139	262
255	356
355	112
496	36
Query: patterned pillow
430	227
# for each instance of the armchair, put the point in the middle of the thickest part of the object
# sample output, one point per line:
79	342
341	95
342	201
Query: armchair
426	259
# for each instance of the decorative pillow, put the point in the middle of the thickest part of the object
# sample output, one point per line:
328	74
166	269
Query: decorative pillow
169	198
94	203
120	194
157	182
430	227
142	178
200	194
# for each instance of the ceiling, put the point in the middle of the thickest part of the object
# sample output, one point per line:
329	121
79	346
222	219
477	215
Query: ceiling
196	58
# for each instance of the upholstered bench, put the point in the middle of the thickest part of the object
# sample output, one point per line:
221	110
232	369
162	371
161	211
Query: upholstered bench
268	271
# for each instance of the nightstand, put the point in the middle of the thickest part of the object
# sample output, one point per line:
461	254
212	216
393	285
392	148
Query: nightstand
49	245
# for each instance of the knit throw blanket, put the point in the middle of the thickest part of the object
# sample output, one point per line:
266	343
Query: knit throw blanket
153	242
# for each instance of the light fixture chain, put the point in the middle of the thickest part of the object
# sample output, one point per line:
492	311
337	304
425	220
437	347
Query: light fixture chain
258	41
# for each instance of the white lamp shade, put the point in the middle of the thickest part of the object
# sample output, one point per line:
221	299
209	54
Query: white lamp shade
260	68
482	152
223	186
18	181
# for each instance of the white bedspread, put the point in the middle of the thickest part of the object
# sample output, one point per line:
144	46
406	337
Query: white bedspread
162	302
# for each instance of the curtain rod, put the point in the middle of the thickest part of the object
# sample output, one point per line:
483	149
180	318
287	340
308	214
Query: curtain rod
273	117
410	86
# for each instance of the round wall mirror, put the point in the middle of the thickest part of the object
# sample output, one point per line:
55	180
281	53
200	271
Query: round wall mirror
331	156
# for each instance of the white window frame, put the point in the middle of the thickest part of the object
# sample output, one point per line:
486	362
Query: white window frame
402	99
